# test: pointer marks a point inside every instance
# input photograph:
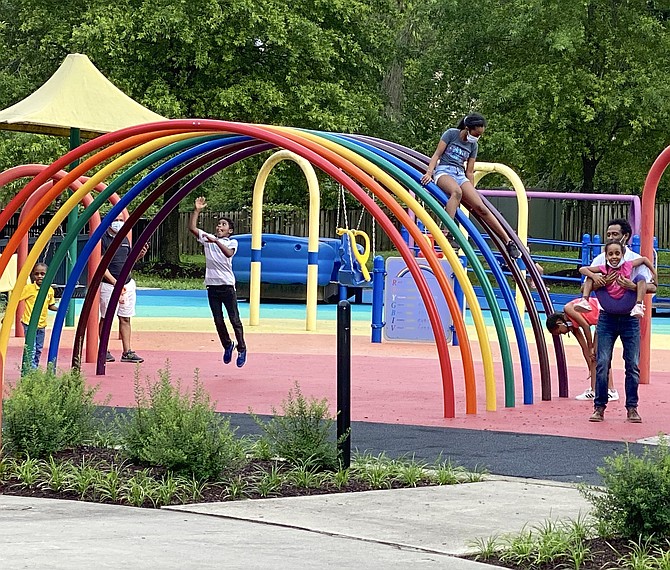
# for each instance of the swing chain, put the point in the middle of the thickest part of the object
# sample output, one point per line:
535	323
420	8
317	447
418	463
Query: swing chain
344	209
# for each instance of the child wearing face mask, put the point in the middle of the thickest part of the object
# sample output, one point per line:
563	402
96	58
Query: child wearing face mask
452	168
614	268
126	306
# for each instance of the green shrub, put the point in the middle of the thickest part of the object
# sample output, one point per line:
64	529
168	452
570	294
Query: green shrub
303	432
47	412
181	432
636	500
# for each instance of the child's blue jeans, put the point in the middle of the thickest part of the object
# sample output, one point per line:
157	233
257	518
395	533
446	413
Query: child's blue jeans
36	352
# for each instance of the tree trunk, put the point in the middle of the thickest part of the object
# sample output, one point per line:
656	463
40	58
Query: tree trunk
589	165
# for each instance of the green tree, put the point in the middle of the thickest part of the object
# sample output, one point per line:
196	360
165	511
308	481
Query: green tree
576	91
310	64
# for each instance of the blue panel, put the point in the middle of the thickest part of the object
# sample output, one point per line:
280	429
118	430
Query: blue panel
285	259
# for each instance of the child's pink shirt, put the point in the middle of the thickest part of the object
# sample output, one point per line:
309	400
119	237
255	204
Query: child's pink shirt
615	290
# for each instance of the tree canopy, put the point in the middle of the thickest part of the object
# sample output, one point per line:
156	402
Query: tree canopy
575	92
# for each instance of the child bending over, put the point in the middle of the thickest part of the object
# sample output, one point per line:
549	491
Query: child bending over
579	325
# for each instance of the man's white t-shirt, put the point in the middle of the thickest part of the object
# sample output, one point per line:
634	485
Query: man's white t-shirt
219	268
629	255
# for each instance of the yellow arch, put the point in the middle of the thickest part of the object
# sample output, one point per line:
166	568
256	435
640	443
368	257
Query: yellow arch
484	168
312	236
391	184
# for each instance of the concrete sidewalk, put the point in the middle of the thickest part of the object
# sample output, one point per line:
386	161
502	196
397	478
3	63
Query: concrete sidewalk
399	528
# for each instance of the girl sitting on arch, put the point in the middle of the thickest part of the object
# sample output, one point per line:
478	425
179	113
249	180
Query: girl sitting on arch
452	168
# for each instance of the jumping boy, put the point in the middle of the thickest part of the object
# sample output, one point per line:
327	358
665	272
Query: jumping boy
220	281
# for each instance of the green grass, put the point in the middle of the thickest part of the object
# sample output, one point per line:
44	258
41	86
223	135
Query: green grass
147	279
154	282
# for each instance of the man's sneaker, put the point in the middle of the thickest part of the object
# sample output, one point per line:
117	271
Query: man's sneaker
228	353
633	417
598	415
583	306
110	357
130	356
588	394
241	358
513	250
638	311
612	395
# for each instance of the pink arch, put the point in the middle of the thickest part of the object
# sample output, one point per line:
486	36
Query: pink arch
647	242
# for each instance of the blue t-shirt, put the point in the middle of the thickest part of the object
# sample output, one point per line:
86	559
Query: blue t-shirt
457	151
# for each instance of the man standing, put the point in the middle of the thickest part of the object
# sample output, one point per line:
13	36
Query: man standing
126	307
220	281
615	322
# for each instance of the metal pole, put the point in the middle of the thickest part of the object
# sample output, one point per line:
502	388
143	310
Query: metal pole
344	383
75	141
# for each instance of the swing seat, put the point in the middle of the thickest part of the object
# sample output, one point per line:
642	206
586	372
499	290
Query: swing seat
352	272
78	293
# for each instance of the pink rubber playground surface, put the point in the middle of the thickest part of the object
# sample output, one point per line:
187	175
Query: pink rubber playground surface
396	383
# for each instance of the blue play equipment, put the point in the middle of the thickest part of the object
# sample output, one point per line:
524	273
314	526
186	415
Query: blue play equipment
341	270
284	259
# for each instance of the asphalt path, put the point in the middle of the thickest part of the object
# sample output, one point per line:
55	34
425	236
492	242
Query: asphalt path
542	457
554	458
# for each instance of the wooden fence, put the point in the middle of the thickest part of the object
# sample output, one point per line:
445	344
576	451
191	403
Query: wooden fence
284	223
575	224
567	219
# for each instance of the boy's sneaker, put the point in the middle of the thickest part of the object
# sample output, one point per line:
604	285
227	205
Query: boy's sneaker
583	306
110	357
241	358
612	395
588	394
633	417
513	250
130	356
228	353
638	311
598	415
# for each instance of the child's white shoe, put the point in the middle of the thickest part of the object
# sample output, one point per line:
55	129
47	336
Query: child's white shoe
638	311
612	395
583	306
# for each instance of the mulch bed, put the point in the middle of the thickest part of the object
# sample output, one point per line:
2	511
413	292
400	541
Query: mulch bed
605	555
214	492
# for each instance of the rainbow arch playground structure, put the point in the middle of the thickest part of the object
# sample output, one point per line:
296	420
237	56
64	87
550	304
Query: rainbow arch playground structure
185	153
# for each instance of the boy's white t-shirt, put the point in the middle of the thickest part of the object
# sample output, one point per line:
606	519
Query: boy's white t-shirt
629	255
219	268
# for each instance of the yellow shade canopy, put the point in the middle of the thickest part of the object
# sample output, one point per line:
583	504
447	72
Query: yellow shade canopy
76	96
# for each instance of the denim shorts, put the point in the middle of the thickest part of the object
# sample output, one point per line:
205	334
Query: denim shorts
458	174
